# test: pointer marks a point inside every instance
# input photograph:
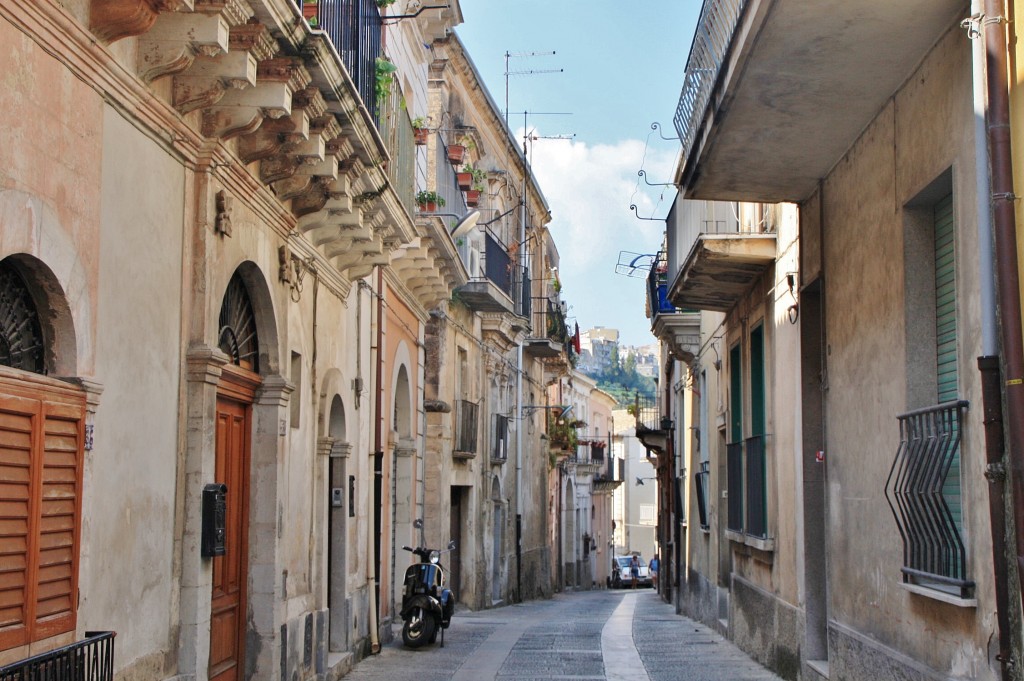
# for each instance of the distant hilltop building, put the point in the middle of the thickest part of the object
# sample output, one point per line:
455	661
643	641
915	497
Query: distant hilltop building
598	347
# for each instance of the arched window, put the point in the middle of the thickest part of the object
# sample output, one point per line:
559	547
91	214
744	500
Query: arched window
21	336
237	336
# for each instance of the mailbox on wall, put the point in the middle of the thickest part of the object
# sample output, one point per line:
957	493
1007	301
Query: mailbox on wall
215	511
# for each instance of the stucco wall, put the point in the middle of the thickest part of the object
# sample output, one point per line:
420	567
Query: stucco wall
923	131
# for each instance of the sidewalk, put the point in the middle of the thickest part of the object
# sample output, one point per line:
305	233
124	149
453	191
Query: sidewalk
586	636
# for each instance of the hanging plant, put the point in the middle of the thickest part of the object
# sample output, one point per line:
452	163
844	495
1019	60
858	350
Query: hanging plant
385	77
385	3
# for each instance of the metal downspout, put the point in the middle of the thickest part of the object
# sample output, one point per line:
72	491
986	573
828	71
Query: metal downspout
378	470
988	363
1007	277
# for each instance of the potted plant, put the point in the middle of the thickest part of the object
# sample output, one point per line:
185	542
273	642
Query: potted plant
385	3
465	180
310	8
429	202
419	129
456	152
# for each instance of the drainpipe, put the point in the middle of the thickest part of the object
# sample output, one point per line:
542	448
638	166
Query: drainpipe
988	363
378	470
1007	277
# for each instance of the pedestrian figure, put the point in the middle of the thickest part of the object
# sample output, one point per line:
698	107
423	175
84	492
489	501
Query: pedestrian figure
652	567
634	568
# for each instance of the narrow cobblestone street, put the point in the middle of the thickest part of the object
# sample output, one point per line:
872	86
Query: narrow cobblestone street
615	635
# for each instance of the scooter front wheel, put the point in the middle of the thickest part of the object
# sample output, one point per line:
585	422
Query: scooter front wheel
419	629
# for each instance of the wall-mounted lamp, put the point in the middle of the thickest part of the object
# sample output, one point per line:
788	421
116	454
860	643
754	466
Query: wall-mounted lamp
465	224
640	481
667	423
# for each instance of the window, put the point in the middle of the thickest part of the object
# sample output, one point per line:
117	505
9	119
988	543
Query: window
746	456
929	514
647	514
499	451
41	437
296	397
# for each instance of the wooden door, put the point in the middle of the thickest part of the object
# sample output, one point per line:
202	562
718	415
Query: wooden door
227	615
455	557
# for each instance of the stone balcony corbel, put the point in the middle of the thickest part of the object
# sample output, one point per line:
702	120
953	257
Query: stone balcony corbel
286	134
242	111
111	20
176	38
207	79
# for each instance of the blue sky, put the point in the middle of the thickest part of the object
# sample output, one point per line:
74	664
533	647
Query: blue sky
622	67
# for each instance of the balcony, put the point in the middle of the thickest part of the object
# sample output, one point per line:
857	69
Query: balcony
491	280
923	491
610	477
653	428
678	328
397	132
91	659
728	252
555	334
774	93
466	428
354	26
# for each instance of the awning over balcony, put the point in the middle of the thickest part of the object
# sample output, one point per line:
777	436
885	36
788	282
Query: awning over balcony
805	82
721	269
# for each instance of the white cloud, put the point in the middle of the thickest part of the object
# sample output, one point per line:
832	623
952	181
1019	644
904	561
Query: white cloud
589	190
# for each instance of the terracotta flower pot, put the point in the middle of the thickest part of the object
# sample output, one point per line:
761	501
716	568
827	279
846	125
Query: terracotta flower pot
310	9
465	180
472	198
428	207
421	136
456	152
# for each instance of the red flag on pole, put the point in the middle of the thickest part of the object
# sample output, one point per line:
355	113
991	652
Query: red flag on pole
576	339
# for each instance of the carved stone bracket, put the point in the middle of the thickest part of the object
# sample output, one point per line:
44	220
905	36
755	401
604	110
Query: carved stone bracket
176	38
204	83
242	111
111	20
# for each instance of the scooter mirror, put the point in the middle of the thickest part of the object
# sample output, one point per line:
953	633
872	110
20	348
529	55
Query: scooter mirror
451	545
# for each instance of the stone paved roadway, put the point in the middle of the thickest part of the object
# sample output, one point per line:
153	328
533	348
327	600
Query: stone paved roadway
584	636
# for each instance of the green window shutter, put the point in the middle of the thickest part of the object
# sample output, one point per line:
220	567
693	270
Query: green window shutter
735	395
945	334
757	406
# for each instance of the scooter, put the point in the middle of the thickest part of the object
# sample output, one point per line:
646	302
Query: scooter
427	605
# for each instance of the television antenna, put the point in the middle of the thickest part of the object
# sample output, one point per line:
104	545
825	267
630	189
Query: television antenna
635	265
531	72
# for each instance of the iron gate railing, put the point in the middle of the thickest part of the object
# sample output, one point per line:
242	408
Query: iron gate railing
497	263
89	660
933	548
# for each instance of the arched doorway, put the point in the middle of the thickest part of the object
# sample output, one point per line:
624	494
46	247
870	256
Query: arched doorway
403	464
339	503
236	393
498	539
569	535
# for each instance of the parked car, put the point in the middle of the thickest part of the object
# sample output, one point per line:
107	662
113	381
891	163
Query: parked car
621	576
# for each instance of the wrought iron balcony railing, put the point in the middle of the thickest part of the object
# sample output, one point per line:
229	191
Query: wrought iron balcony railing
447	184
397	132
715	28
498	266
648	414
354	27
466	426
703	478
918	494
91	659
657	287
521	290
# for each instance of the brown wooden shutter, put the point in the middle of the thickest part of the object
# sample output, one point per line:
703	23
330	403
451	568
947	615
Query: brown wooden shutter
58	529
41	434
17	427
